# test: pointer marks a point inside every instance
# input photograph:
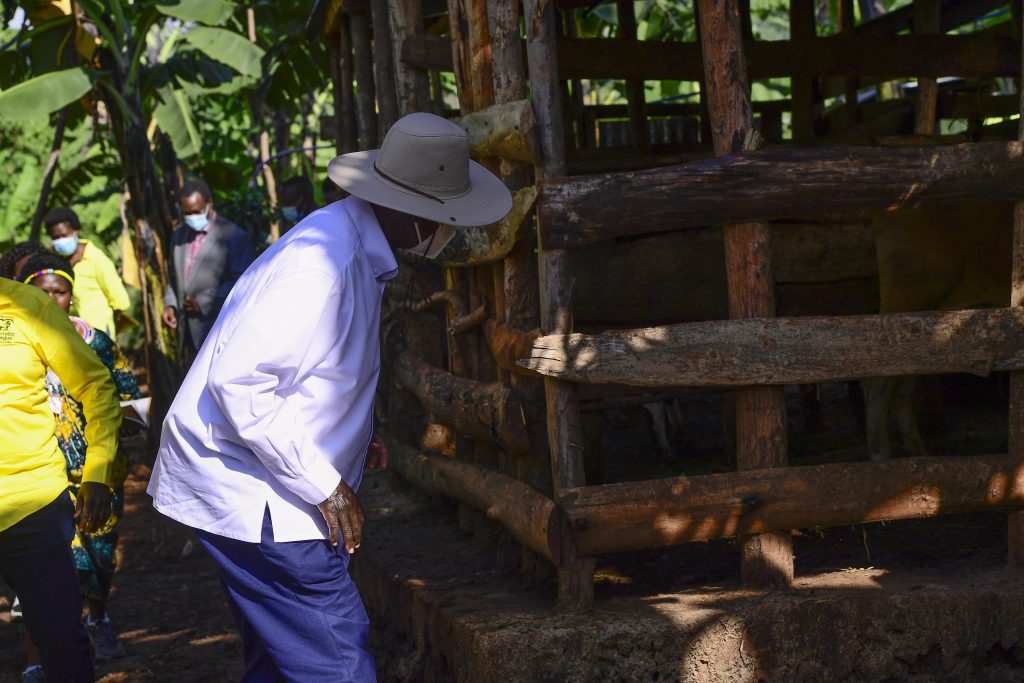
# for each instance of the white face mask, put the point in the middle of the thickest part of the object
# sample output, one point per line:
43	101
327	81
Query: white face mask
198	221
290	213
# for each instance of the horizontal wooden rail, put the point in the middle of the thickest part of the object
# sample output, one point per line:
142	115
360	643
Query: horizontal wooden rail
788	350
650	514
775	183
902	56
534	519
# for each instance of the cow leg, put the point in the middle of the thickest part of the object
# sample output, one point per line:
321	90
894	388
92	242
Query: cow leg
878	392
903	410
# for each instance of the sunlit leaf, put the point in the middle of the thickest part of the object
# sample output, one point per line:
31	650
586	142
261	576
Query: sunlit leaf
228	48
44	94
174	116
211	12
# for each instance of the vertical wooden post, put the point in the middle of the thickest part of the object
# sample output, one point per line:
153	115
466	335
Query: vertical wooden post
801	32
635	97
366	111
846	25
760	411
576	574
346	139
383	67
927	19
412	84
1015	525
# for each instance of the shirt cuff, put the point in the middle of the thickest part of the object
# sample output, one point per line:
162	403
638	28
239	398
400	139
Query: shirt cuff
99	468
319	483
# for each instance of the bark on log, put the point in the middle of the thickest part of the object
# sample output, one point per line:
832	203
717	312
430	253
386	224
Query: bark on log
648	514
534	519
473	409
509	344
575	574
467	322
362	61
411	82
767	560
505	130
776	183
777	351
476	246
383	67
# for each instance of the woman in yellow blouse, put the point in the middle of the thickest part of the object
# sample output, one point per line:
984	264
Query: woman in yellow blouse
99	290
36	514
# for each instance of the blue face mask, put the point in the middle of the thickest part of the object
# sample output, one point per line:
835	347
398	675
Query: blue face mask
198	221
65	246
290	213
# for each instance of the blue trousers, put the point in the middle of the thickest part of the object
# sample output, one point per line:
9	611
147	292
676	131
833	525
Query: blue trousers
35	560
298	612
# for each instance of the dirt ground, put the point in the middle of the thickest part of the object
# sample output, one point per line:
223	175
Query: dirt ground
166	602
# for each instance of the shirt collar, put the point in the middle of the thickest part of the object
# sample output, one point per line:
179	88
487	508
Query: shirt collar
375	245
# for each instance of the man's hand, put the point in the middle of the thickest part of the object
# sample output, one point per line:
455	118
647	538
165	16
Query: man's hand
92	506
191	305
377	455
171	317
342	511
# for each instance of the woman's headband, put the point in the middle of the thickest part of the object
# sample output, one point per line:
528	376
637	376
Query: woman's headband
50	271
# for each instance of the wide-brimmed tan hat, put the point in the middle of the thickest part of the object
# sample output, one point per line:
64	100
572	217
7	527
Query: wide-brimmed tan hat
423	169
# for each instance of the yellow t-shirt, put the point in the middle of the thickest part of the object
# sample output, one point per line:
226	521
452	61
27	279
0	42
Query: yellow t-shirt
35	334
98	290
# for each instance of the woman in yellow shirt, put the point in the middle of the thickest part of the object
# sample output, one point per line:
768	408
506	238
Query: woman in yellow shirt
36	513
99	290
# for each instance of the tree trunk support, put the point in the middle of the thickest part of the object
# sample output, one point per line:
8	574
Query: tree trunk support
760	411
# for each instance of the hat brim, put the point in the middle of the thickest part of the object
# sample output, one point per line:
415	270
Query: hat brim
488	200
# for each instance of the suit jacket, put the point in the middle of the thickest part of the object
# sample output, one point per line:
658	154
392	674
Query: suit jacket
223	256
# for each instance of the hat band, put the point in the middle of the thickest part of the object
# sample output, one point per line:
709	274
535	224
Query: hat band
402	185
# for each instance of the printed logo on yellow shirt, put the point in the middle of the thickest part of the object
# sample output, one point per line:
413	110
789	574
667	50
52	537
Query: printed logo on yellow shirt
6	330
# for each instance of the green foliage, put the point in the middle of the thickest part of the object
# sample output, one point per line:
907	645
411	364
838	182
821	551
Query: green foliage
228	48
44	94
209	12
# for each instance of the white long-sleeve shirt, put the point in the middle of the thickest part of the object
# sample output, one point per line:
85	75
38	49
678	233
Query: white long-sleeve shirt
277	407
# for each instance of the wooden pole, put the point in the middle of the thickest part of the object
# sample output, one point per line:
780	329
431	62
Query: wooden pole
534	519
801	34
268	172
635	96
345	106
927	19
362	60
411	83
760	411
649	514
575	574
384	67
1015	523
847	24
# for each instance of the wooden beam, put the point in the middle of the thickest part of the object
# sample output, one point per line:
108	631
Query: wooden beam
927	18
427	52
778	351
383	67
411	82
802	34
767	559
649	514
534	519
838	55
481	411
476	246
1015	436
506	130
776	183
366	109
575	574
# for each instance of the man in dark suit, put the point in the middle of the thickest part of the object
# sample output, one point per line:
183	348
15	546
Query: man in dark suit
208	254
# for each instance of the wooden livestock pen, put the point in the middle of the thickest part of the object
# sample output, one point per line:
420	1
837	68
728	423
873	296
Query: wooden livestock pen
483	371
